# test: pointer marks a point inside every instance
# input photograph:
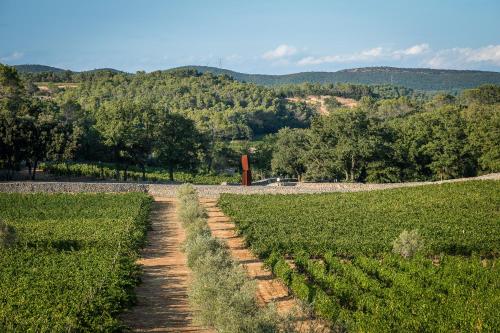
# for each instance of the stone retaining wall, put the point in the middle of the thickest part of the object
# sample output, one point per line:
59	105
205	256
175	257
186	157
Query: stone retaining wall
169	190
70	187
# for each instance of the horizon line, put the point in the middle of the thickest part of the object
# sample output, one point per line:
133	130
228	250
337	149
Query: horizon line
231	70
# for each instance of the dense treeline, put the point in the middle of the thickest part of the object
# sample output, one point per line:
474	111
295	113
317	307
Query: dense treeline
415	78
32	130
178	120
397	140
421	79
187	121
348	90
41	73
218	104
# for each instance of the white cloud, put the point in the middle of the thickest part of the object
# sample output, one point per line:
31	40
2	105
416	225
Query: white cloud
465	57
318	60
490	53
413	50
419	55
281	51
372	54
365	55
13	56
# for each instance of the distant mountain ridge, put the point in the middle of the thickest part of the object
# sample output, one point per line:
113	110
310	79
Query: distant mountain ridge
33	68
29	68
414	78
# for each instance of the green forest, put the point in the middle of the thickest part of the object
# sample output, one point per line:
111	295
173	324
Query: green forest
200	123
422	79
396	140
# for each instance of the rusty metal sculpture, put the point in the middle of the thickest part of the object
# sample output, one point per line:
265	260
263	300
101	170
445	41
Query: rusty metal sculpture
247	173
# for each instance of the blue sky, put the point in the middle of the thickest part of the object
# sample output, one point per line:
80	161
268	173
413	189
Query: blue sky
255	36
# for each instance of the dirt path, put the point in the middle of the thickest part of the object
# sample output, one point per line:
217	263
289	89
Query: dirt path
162	300
269	289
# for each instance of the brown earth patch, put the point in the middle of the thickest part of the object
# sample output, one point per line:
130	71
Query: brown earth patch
162	297
319	102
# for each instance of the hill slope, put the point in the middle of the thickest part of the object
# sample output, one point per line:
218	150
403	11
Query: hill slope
415	78
37	69
50	69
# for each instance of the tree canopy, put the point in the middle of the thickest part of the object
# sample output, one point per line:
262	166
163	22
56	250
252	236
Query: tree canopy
184	120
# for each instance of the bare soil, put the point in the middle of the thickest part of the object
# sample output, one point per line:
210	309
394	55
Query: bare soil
319	102
162	297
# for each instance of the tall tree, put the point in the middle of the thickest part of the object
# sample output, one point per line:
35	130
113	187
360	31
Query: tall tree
289	153
13	119
177	142
42	133
483	132
448	144
126	128
350	141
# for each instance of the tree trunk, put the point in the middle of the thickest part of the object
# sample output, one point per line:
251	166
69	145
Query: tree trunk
171	173
209	164
10	168
35	165
125	175
353	163
29	169
143	172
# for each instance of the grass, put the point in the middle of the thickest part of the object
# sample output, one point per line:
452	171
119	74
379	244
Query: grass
341	245
73	266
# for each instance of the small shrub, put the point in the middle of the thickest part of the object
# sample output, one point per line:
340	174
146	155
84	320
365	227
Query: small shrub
202	246
300	287
186	193
407	244
325	306
271	261
8	235
283	271
191	211
197	227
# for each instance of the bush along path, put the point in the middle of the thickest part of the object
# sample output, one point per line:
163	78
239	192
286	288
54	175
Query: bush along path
162	297
220	293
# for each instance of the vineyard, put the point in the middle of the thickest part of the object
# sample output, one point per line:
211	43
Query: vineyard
71	264
335	251
107	171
